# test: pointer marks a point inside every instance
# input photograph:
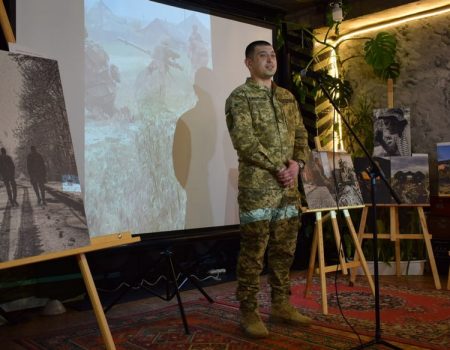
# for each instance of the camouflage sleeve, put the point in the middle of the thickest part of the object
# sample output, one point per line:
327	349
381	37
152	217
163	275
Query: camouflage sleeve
247	145
301	148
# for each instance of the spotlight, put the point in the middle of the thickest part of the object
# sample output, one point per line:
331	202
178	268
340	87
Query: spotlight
336	11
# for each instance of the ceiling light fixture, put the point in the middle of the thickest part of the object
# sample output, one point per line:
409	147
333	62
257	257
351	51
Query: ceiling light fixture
393	22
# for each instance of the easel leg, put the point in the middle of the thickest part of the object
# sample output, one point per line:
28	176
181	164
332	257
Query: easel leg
427	239
312	261
362	228
95	300
323	280
337	240
395	232
359	250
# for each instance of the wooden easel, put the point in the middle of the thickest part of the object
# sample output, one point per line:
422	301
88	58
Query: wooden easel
395	236
317	249
97	243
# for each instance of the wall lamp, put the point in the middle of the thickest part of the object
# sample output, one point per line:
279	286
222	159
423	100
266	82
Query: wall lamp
336	11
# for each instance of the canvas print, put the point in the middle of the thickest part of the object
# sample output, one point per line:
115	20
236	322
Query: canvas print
40	198
329	181
410	179
392	134
348	193
443	159
382	193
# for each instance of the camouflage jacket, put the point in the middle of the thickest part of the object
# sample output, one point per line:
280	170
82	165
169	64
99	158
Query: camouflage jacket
266	130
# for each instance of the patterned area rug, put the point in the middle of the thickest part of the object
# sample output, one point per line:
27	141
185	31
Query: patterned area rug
414	316
411	319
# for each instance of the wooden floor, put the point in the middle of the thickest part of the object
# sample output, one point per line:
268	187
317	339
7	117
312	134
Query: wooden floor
32	322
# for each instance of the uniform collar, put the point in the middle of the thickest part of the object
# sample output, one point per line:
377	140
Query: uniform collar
255	85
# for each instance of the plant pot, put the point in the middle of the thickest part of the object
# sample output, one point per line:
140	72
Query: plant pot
416	267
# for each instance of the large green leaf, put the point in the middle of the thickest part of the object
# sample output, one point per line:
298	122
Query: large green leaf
380	51
391	72
340	90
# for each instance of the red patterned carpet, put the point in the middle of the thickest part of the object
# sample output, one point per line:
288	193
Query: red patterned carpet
412	319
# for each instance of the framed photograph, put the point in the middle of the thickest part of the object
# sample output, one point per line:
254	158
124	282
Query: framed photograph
40	195
410	179
392	133
443	161
382	193
329	182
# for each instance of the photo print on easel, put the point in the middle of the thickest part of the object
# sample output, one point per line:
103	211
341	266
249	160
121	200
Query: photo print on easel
410	179
37	162
329	181
392	133
382	194
443	160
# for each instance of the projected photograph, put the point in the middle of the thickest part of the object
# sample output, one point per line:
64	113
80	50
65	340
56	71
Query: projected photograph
146	66
37	159
392	133
443	159
410	179
330	181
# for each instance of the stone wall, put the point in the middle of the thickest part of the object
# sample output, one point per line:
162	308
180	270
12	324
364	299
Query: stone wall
423	84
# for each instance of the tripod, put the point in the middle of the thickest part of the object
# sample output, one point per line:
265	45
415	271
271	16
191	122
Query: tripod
172	285
374	173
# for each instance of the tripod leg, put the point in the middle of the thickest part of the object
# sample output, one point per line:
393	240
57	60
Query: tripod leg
177	292
199	287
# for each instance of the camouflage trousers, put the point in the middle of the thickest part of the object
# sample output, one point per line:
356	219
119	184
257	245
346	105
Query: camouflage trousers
269	222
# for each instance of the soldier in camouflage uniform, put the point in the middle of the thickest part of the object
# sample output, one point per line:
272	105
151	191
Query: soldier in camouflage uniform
267	131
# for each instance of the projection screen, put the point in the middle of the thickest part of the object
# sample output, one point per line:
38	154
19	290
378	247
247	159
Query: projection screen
145	86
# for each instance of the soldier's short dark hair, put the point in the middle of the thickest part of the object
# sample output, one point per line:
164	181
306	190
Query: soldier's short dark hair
250	49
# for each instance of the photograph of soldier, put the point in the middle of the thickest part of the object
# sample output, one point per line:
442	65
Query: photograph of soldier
392	132
8	175
443	160
37	173
410	179
318	185
267	131
347	187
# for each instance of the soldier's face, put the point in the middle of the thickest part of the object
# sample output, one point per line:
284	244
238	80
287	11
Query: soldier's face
263	63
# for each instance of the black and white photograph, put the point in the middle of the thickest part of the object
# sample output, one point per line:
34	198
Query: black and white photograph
392	134
410	179
329	181
37	162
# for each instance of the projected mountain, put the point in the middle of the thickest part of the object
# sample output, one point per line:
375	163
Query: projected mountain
102	24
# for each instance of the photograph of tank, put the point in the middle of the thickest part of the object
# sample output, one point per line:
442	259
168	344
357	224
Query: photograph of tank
410	179
443	159
392	133
329	182
36	162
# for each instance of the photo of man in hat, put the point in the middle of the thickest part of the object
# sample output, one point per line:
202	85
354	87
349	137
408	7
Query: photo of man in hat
391	132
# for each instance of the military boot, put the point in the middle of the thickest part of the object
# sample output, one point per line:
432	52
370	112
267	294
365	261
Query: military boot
285	312
252	324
